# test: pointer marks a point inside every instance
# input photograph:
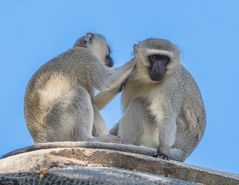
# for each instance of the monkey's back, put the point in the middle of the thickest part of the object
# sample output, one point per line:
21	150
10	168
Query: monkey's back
191	120
51	82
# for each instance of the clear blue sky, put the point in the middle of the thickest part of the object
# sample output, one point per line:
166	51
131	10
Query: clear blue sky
32	32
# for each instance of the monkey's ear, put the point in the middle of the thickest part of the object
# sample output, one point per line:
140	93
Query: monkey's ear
135	48
88	38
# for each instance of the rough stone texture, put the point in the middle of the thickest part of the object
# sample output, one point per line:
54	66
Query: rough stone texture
90	175
101	163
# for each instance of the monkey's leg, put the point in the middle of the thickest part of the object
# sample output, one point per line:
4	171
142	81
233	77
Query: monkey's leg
71	118
131	124
99	127
167	137
100	131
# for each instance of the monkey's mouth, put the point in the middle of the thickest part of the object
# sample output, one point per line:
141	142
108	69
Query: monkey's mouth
109	61
156	77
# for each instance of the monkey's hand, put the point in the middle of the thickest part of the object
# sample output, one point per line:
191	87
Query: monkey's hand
161	155
104	97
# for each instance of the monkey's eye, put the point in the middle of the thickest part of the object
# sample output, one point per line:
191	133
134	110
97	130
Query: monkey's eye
158	57
165	58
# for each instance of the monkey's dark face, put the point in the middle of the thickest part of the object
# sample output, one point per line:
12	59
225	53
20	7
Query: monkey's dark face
157	66
109	61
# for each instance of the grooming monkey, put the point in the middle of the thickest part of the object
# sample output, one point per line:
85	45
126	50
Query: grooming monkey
59	102
162	102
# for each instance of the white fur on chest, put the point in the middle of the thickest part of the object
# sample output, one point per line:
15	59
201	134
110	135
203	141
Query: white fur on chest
150	135
164	126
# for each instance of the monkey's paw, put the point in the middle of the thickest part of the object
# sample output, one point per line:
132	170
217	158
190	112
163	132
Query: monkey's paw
161	155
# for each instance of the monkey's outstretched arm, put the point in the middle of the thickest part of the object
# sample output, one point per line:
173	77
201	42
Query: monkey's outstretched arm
104	97
109	78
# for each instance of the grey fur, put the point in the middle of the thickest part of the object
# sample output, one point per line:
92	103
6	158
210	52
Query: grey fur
168	115
59	102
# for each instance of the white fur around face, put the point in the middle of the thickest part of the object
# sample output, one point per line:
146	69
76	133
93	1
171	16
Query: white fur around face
155	51
144	53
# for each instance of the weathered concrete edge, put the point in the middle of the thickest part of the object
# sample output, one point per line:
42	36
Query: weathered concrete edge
160	167
140	162
85	144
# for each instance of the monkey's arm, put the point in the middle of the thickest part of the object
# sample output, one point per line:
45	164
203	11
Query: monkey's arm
104	97
109	78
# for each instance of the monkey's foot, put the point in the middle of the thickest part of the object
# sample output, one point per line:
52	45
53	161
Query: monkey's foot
161	155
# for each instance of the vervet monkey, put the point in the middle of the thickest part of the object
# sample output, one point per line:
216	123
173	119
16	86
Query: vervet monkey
162	102
59	101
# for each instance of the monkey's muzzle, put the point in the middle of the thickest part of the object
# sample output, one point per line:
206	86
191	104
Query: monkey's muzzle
157	70
109	61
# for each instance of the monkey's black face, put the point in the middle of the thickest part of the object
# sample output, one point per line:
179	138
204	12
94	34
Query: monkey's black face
109	61
157	66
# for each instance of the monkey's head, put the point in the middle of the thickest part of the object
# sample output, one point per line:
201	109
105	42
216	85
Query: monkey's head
156	58
98	45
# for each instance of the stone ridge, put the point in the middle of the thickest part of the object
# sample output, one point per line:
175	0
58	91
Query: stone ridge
85	144
95	162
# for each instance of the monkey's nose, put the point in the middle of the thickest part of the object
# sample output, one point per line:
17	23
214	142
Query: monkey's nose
157	70
109	61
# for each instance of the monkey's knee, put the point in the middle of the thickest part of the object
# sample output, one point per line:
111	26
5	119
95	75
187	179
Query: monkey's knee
57	127
83	111
71	119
